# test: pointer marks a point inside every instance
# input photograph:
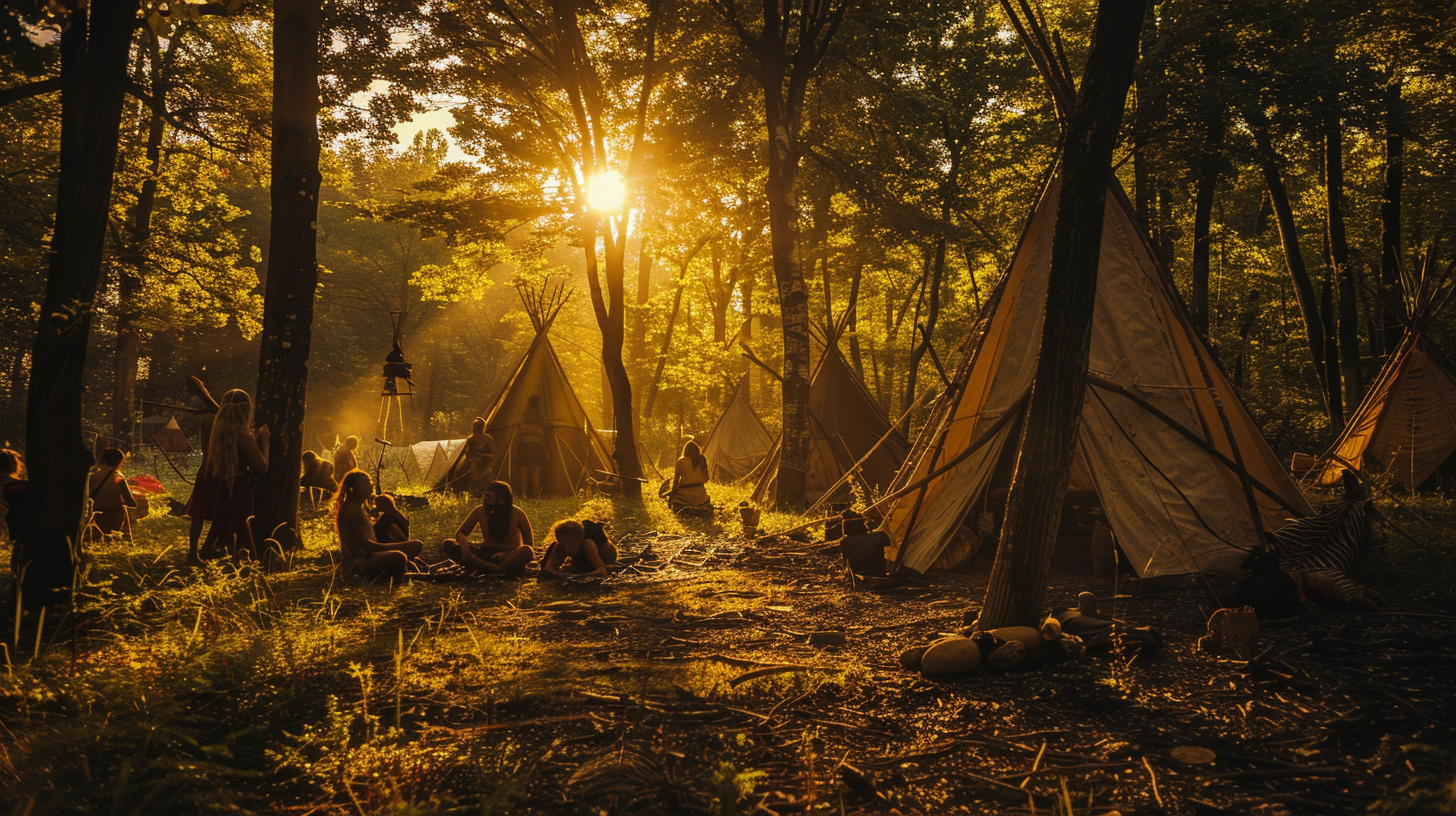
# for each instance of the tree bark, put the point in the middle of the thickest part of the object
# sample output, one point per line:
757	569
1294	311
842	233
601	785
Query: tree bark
1289	241
949	187
134	254
784	73
1332	355
1202	221
288	297
1390	215
852	324
783	219
94	54
1049	434
1349	312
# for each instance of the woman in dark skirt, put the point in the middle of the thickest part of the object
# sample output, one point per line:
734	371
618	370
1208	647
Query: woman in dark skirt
234	453
199	505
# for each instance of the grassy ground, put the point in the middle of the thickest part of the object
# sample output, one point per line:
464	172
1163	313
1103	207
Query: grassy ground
688	689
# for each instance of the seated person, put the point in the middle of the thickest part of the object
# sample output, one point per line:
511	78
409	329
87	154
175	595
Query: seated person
345	459
596	533
505	530
110	495
688	495
12	469
570	543
363	554
318	474
390	524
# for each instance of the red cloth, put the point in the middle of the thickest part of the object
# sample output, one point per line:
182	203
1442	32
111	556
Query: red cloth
146	483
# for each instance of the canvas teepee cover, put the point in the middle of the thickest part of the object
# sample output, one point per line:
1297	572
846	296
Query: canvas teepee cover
574	448
1406	425
845	424
738	441
1173	456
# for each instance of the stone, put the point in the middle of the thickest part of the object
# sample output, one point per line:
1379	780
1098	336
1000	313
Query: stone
910	658
827	639
951	656
1007	655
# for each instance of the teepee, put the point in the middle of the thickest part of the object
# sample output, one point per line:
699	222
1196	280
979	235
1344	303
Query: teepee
846	428
738	441
1406	424
1176	464
575	451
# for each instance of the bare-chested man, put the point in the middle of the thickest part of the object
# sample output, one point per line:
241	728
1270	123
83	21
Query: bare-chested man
506	532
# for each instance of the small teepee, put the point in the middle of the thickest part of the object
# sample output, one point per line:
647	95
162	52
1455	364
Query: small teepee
738	441
1166	451
1405	426
846	428
575	450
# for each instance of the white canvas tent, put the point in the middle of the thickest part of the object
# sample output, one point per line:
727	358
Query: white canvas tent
1180	470
738	441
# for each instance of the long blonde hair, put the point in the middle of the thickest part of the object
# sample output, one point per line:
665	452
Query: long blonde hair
234	418
355	487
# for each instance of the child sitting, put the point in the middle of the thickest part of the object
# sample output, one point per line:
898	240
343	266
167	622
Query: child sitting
570	542
390	525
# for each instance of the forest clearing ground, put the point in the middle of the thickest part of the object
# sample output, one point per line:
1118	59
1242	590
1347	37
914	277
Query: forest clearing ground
692	688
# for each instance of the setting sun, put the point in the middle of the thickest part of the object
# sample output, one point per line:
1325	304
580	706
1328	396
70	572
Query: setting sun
606	191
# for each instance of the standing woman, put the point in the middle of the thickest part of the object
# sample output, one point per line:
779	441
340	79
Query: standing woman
689	475
531	453
234	452
199	505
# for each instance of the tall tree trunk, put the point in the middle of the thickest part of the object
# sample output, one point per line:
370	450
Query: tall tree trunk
611	317
1390	214
1202	221
1349	310
852	325
948	190
655	386
1332	355
134	253
288	297
644	296
1049	434
1289	240
783	220
94	49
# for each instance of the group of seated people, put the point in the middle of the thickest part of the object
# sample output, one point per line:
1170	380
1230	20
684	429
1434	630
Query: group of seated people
318	478
374	537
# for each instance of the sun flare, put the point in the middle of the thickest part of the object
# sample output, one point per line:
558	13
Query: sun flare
606	192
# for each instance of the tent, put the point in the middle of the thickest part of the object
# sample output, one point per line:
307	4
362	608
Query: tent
1406	424
171	438
428	460
1166	449
845	425
738	441
575	450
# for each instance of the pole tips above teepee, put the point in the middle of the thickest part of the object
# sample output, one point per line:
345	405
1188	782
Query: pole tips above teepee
542	301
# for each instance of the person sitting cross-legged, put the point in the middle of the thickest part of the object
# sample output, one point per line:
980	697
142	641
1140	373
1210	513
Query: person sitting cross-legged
573	551
505	530
363	554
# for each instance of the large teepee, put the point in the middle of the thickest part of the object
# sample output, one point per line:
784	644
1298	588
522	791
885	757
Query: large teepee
575	450
1174	460
1406	424
738	441
846	426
